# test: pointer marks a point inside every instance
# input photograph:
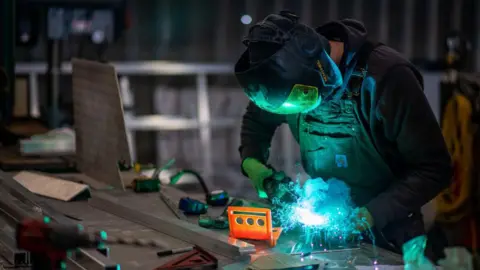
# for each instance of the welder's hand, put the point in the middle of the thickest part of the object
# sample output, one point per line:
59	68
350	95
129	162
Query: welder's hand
362	219
257	172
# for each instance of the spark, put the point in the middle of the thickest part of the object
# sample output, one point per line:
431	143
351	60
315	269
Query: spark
309	218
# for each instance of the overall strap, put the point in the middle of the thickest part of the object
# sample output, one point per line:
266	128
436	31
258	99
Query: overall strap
360	71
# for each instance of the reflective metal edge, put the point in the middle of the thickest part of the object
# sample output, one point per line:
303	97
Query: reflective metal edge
190	233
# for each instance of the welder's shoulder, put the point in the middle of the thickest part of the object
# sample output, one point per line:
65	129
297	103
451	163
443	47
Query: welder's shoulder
384	60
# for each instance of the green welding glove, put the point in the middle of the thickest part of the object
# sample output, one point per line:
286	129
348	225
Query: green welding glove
257	173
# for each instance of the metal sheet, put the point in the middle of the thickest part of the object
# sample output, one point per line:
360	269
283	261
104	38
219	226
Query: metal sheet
220	244
101	138
51	187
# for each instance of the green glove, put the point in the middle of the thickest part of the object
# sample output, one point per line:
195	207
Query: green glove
257	172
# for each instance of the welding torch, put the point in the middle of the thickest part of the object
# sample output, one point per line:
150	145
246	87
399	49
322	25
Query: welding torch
280	186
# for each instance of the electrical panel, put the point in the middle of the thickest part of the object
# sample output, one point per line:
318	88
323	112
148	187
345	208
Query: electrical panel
103	21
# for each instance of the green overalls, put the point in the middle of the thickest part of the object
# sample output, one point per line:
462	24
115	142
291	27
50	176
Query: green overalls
335	142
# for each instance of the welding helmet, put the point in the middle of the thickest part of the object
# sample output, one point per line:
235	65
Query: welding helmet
297	72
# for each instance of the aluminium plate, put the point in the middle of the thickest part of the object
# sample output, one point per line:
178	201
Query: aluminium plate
190	233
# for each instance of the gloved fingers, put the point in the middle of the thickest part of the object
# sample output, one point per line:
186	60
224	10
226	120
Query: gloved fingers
258	185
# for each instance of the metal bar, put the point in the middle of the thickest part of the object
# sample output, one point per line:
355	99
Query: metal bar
8	249
172	206
11	211
91	259
409	13
204	118
33	95
139	68
170	122
190	233
431	48
128	101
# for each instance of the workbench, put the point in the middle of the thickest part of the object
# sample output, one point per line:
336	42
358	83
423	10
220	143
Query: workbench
146	258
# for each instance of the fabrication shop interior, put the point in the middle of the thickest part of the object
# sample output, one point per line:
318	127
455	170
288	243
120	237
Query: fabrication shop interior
121	123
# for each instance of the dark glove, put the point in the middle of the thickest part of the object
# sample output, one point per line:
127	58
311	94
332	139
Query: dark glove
281	187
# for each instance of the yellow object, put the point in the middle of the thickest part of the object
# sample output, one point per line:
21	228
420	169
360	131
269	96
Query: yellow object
252	223
454	203
137	167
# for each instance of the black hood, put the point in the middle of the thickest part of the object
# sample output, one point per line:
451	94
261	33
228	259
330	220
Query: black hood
353	33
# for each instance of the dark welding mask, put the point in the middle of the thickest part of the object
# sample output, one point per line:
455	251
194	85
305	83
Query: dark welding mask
296	77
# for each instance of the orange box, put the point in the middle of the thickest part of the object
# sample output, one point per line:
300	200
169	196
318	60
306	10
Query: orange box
252	223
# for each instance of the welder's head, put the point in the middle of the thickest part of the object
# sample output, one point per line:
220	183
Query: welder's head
286	68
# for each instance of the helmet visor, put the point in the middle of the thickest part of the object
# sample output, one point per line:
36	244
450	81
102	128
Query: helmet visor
287	83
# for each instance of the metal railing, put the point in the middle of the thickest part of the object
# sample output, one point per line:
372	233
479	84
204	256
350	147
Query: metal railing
203	122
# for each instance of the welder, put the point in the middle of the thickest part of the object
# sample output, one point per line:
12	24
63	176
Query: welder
358	111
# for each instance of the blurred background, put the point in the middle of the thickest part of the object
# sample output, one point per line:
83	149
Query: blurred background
210	32
174	59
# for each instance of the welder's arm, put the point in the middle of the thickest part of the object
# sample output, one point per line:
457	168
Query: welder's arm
409	124
258	128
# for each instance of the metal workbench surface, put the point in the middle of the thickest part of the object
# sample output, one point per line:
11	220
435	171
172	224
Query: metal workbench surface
139	258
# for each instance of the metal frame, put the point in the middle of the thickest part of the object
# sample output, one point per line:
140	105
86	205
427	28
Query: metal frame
182	230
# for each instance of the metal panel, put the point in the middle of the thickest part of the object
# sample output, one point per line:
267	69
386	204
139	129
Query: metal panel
193	234
101	140
203	112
